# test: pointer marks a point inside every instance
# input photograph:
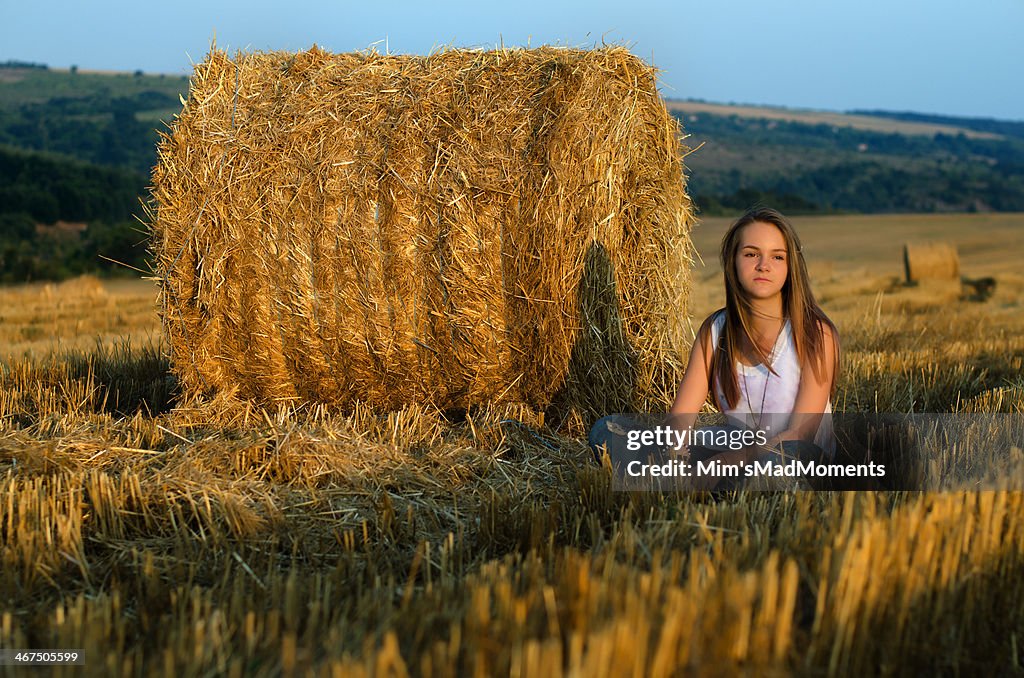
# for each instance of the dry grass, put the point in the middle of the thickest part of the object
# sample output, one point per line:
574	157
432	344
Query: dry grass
988	244
217	537
35	319
222	538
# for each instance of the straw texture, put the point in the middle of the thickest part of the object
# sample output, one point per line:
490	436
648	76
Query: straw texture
461	228
938	260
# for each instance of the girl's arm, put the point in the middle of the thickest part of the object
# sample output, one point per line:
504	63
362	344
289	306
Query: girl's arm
813	393
693	389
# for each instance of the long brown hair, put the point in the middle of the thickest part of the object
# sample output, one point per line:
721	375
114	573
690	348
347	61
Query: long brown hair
806	318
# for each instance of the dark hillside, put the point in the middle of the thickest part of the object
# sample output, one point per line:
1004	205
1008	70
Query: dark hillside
826	168
78	147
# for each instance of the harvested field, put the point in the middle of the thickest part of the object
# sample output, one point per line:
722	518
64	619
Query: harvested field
191	538
812	117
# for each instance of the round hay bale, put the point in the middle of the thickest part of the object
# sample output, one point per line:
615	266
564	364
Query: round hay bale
936	260
460	228
88	286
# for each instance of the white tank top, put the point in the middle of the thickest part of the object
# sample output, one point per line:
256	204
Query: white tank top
766	400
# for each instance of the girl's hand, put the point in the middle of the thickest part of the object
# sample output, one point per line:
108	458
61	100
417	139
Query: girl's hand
788	434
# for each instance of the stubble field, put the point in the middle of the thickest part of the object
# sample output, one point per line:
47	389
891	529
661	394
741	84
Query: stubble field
169	538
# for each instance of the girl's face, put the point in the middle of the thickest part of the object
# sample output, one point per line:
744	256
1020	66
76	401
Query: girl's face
762	262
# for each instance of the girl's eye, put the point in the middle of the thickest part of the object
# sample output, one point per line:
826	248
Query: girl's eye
780	257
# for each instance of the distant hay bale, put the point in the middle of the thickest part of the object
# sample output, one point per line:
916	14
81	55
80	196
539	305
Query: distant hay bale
84	286
461	228
931	260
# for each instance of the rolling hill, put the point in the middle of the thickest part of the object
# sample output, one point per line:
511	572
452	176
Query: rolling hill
819	161
78	125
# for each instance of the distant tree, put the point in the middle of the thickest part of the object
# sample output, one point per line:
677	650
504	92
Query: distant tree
14	63
123	242
16	226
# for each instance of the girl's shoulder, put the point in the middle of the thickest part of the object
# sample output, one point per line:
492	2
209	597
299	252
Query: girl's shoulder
824	326
711	328
715	319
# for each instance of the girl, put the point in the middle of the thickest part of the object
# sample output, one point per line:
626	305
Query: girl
770	357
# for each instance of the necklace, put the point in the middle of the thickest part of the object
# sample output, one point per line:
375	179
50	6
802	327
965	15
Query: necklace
764	394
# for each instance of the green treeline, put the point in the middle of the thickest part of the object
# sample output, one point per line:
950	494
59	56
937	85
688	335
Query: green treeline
50	187
38	191
79	148
805	168
98	128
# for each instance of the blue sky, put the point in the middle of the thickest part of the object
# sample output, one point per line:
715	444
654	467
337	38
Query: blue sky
932	56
